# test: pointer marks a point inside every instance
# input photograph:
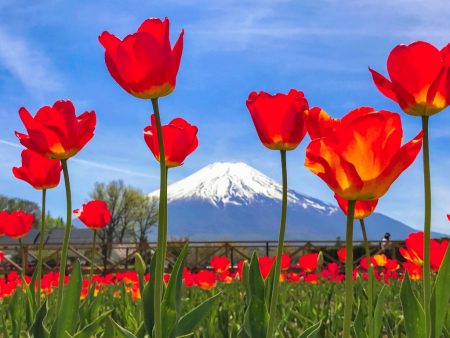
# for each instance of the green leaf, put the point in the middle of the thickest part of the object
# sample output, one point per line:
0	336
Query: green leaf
440	297
90	329
187	324
412	311
269	285
147	298
141	332
123	333
38	330
256	316
68	315
378	313
170	307
358	324
312	331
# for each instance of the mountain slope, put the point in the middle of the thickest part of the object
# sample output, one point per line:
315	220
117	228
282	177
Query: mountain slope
233	201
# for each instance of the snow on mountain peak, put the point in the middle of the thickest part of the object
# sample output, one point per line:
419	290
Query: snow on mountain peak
223	183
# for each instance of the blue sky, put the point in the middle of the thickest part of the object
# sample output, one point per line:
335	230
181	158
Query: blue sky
49	51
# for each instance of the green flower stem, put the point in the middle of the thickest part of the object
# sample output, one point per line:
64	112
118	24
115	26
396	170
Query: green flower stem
65	248
348	271
276	277
369	281
162	237
426	227
94	238
24	263
41	246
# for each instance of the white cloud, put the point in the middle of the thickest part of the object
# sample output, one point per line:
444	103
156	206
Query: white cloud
23	60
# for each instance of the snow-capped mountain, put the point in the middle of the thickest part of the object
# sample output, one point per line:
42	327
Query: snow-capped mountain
225	183
236	202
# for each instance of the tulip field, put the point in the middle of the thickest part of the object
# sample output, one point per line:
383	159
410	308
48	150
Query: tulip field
358	157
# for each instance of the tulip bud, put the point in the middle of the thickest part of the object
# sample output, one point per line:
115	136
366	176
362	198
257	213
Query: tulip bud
139	264
320	259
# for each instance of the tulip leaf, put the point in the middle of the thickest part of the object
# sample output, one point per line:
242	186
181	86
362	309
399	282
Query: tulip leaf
378	313
170	307
90	329
148	300
358	325
256	316
269	285
312	331
38	330
68	315
412	311
123	333
187	324
440	297
141	332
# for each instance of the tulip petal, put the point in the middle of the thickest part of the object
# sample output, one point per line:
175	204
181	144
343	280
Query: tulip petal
322	158
414	67
156	28
177	51
319	123
383	85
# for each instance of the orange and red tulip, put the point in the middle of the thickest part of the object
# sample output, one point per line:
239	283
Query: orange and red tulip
362	155
414	250
363	209
419	78
38	171
94	214
16	224
56	132
278	119
180	140
144	63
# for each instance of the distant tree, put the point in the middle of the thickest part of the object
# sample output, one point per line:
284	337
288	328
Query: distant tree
128	207
145	219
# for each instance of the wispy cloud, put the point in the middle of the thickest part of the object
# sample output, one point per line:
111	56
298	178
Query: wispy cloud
95	164
25	62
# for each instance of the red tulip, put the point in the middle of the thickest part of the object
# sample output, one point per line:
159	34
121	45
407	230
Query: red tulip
37	170
414	250
94	214
205	279
419	78
180	140
144	63
56	132
312	278
361	155
363	209
16	224
265	265
342	254
220	264
278	119
448	217
308	262
392	265
414	271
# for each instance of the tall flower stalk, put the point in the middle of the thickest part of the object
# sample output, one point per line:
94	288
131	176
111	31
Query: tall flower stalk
162	226
65	247
369	279
426	227
41	246
348	271
276	279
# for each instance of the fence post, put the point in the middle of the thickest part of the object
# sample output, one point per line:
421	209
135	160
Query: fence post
267	248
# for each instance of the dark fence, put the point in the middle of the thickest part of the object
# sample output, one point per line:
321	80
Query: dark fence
200	253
